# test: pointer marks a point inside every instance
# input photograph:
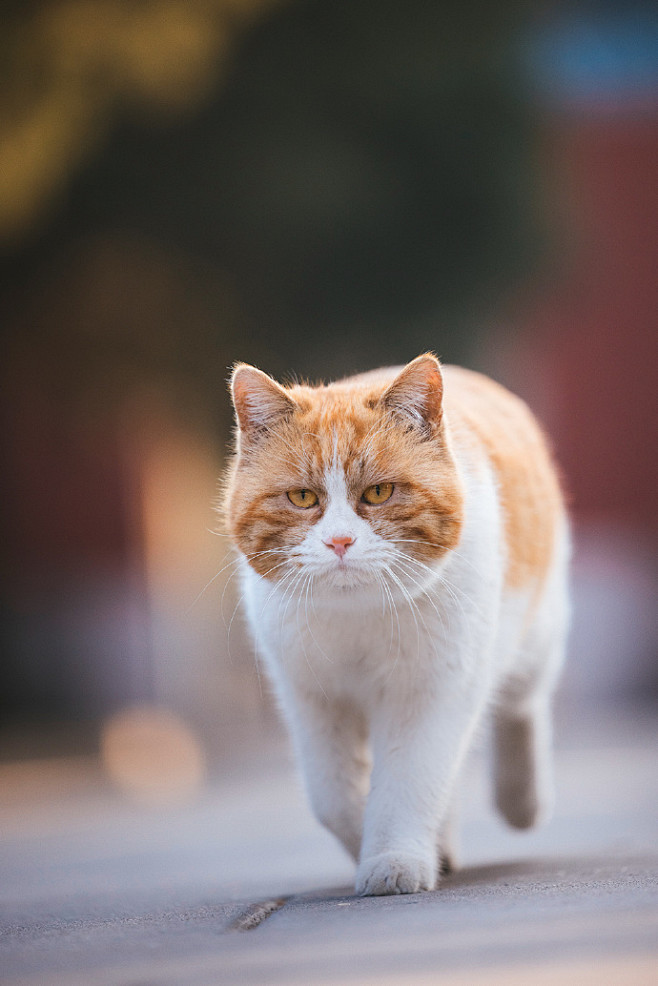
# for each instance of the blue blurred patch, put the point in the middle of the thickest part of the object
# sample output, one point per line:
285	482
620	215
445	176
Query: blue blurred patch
603	54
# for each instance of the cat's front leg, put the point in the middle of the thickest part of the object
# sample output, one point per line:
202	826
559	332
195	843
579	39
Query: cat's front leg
416	760
330	744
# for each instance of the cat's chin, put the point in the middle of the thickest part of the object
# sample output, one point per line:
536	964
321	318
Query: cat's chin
347	578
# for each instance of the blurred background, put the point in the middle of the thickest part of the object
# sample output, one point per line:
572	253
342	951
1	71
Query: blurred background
318	187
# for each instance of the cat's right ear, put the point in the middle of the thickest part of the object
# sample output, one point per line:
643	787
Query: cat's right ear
416	394
259	401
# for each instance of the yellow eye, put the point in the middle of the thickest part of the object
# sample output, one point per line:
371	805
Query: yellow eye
303	498
379	493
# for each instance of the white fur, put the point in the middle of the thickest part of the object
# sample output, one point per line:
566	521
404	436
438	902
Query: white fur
384	670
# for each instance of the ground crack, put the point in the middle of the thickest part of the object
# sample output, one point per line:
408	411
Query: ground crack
255	914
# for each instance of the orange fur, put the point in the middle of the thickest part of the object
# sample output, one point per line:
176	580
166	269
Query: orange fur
490	421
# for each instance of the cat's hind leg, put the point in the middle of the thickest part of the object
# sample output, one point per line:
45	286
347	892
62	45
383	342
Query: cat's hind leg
522	734
522	727
522	764
448	846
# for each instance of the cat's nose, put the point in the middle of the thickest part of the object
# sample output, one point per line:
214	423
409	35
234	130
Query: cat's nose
339	544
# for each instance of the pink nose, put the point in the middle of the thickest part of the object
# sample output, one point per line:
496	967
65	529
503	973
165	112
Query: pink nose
339	544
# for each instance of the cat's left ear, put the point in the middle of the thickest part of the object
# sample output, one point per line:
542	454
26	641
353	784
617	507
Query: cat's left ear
417	392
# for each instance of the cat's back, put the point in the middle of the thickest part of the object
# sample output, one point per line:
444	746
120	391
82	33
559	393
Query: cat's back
492	428
479	408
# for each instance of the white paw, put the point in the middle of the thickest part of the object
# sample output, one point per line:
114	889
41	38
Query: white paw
394	873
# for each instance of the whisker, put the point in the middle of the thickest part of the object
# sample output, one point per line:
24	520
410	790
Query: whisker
238	605
303	642
257	640
391	607
452	589
235	561
420	568
431	544
406	566
287	597
412	606
393	604
211	582
416	610
309	585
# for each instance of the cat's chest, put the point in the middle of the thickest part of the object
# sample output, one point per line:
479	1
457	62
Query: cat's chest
343	644
340	638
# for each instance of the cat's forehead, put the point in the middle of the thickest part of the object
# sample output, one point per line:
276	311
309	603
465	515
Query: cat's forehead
338	427
344	405
339	421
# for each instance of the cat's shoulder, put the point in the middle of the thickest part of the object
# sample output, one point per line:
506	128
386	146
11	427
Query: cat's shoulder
485	410
488	423
471	389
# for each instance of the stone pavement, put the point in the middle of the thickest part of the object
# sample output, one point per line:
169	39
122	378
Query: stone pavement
243	888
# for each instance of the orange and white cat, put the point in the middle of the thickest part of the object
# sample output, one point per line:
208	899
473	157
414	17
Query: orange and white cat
405	550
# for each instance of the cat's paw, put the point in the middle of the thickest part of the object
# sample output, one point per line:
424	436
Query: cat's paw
522	806
394	873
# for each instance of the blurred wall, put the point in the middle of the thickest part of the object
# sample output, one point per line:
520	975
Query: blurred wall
584	348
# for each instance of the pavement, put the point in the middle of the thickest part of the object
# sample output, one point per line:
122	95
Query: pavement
242	887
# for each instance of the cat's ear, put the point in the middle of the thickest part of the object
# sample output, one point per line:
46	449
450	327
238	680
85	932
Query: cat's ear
259	401
416	394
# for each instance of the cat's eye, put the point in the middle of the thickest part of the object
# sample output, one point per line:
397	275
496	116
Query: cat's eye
379	493
303	498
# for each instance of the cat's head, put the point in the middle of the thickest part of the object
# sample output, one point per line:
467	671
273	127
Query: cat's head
351	482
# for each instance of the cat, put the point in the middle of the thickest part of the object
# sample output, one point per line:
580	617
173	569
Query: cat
404	548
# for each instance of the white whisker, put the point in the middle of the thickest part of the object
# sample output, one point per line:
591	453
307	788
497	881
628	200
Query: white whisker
391	607
407	567
303	642
309	586
413	609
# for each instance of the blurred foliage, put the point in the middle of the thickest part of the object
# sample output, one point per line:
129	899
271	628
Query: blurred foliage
68	67
314	186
